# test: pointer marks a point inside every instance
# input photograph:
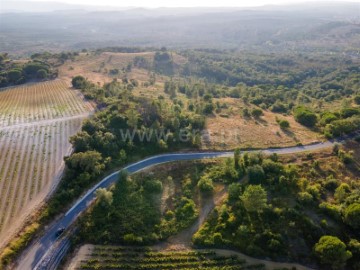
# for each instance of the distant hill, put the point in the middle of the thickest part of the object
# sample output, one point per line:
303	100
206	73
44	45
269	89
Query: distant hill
308	27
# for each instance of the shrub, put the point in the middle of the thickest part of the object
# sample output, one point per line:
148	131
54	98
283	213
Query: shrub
305	198
305	116
205	185
331	184
331	210
246	112
342	192
257	112
352	215
153	186
348	112
332	251
327	118
284	124
256	174
342	126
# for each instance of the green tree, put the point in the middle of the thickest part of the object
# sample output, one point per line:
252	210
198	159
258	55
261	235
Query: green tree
41	74
305	116
237	158
256	174
352	215
14	75
104	196
332	251
79	82
254	198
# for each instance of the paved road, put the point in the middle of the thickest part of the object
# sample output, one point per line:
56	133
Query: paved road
40	251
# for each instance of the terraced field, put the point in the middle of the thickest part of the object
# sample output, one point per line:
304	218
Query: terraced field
36	122
144	258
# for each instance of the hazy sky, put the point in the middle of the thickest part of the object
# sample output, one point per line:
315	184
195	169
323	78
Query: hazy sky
189	3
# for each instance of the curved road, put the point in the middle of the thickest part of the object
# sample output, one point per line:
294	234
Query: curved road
38	252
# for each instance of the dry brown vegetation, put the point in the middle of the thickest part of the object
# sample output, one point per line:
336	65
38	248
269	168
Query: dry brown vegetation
230	129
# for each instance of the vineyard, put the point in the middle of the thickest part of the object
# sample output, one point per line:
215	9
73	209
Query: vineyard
146	258
40	101
36	122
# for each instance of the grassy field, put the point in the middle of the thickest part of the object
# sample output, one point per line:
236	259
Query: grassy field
36	122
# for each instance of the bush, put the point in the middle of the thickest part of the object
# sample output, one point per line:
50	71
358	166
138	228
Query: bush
256	174
331	210
327	118
332	251
305	198
257	112
331	184
153	186
305	116
343	126
284	124
205	185
352	215
348	112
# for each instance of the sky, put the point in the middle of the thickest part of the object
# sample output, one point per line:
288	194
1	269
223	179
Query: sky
189	3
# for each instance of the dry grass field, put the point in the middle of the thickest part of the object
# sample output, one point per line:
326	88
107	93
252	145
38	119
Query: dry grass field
229	129
36	122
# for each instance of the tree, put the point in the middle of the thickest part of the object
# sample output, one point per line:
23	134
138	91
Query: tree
237	158
104	196
41	74
332	251
254	198
79	82
256	174
14	75
305	116
153	186
352	215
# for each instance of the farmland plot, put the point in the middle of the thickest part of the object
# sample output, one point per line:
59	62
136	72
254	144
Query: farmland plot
40	101
36	122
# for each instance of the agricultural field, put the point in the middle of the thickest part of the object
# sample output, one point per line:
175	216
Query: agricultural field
40	102
118	257
36	123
